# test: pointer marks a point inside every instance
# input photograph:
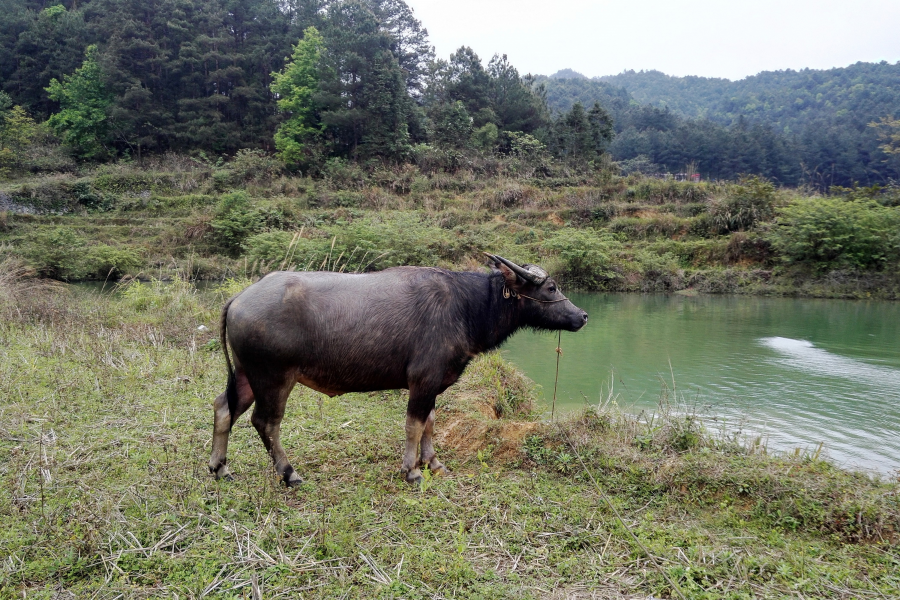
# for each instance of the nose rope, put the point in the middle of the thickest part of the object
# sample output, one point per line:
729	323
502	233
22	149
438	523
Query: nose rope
556	381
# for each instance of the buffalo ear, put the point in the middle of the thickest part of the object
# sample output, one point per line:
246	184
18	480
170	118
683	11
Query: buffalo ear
512	280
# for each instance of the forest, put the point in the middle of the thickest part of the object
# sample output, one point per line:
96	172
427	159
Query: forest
313	80
324	80
794	127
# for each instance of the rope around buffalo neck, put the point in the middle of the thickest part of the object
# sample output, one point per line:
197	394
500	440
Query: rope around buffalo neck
508	293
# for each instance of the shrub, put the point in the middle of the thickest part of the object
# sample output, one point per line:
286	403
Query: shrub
748	203
342	174
660	191
235	221
268	246
659	271
431	159
405	240
57	253
254	165
165	299
104	261
583	256
832	232
660	224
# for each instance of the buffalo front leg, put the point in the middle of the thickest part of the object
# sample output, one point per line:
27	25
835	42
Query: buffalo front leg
419	429
415	426
428	456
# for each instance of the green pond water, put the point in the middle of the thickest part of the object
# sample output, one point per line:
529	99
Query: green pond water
796	372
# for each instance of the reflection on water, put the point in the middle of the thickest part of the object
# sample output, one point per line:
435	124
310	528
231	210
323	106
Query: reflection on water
799	372
804	356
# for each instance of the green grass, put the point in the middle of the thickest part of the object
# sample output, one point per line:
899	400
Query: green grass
105	428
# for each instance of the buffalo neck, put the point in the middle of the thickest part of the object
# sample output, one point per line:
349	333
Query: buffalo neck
491	318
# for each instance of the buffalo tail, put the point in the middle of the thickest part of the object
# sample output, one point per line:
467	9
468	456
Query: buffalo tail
231	393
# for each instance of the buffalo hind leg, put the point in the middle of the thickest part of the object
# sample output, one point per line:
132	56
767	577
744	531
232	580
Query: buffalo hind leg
427	455
222	422
267	416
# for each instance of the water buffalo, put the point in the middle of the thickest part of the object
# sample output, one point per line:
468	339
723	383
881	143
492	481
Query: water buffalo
407	327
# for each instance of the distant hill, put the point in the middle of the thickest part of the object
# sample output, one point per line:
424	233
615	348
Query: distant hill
854	95
568	74
792	126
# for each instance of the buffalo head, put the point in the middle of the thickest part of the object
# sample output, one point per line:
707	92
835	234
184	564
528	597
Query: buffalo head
542	304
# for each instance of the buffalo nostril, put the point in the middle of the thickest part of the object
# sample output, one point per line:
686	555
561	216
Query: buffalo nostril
584	316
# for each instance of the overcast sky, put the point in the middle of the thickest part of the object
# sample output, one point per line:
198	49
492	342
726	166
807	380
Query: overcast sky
721	38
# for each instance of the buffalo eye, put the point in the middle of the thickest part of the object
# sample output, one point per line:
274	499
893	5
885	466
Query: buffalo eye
552	289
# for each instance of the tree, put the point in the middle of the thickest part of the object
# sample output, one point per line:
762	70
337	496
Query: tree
463	79
601	126
386	134
49	45
84	100
410	41
365	104
517	106
297	87
17	132
582	136
888	129
452	125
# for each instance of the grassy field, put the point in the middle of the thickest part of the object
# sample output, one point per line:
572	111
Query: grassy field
105	428
595	231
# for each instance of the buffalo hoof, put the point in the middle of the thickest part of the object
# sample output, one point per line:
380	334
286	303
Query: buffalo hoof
293	481
222	473
413	477
441	470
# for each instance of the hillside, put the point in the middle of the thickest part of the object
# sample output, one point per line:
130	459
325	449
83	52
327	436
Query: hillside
791	126
787	100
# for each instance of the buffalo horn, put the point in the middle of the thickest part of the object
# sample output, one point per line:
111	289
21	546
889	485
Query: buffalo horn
523	273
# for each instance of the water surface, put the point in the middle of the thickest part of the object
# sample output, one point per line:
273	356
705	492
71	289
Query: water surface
796	371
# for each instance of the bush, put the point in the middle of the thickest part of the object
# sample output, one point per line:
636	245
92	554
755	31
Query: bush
342	174
583	257
661	191
104	261
235	221
61	253
748	203
404	240
58	253
254	166
269	246
165	299
832	232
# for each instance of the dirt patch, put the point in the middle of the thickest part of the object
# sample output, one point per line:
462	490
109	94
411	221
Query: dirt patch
467	434
555	219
